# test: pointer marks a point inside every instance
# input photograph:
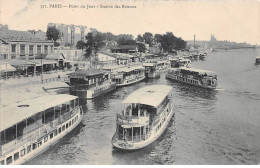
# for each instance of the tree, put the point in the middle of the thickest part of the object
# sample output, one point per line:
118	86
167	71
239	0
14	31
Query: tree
168	42
94	44
140	38
53	34
158	38
141	47
148	38
80	45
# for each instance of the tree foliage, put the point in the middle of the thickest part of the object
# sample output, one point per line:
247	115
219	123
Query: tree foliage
80	45
141	47
94	44
140	38
53	33
148	38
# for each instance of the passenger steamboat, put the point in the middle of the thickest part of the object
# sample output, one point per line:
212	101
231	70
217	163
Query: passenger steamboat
91	83
151	70
128	75
196	77
34	125
146	116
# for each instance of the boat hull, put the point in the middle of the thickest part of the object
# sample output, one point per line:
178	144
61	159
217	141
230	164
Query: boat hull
122	145
132	82
100	91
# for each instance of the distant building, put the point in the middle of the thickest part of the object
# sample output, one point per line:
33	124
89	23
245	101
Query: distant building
70	53
121	48
22	45
70	34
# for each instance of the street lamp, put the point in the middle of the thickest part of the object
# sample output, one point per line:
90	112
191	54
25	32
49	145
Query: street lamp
41	70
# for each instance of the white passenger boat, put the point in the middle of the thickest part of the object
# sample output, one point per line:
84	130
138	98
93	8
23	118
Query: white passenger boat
257	60
147	114
31	126
151	70
197	77
128	75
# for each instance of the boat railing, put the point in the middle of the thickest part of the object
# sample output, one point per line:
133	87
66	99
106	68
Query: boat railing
133	119
130	138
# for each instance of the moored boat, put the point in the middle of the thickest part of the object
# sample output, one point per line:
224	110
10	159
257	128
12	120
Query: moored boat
151	70
146	116
128	75
32	126
197	77
91	83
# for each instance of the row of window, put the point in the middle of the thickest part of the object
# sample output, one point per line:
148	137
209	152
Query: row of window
187	80
10	159
39	48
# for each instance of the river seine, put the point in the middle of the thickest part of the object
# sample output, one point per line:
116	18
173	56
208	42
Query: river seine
209	127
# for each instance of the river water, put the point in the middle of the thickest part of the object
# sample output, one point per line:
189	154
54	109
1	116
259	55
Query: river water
209	127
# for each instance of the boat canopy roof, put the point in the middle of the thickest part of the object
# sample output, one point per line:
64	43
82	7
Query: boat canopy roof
19	111
129	69
146	64
257	57
86	73
199	71
150	95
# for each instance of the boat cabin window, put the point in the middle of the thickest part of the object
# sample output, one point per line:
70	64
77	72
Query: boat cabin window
39	143
34	146
51	135
76	102
10	134
49	115
29	148
45	139
60	130
70	123
20	128
57	111
16	156
22	152
72	104
2	162
67	125
9	160
55	132
63	127
63	109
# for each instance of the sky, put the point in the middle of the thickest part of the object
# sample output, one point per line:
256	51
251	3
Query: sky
232	20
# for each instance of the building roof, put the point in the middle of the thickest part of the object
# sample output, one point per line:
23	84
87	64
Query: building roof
152	95
127	47
14	35
38	62
129	69
86	73
108	54
17	112
123	47
6	67
55	56
19	62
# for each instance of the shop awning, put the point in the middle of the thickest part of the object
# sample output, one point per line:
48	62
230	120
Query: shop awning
6	67
20	63
44	62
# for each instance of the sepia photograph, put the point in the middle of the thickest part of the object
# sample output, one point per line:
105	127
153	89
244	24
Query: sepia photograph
129	82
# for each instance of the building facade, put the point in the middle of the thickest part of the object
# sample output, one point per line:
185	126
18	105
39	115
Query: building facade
70	34
22	45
